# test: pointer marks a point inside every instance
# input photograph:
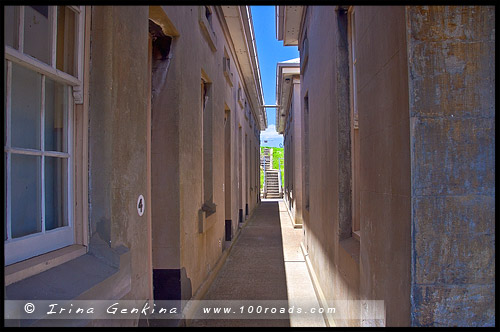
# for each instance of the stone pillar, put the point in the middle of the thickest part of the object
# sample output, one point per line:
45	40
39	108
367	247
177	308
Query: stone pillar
452	128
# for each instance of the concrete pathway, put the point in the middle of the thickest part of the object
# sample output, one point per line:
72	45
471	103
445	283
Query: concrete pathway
266	264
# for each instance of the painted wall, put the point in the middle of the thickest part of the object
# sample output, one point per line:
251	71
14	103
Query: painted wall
318	83
452	116
191	255
376	267
118	136
120	122
293	155
382	85
182	256
424	80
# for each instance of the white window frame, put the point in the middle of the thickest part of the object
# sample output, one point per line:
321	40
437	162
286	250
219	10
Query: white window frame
31	245
354	117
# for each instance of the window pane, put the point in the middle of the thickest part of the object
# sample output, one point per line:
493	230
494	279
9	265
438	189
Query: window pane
25	117
56	121
66	36
25	196
10	25
37	32
56	194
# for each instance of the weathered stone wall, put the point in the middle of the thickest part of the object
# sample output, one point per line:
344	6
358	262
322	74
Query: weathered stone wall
452	114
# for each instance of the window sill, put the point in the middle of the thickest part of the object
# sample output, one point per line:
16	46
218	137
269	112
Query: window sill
229	77
205	219
27	268
93	276
207	29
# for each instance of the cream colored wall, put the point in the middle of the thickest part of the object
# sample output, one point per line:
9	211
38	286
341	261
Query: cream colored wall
376	267
118	137
295	204
199	252
321	221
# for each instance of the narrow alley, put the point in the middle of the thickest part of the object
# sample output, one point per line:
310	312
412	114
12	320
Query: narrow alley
292	166
265	263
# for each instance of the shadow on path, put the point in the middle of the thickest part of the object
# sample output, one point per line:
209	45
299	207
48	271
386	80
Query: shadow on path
254	270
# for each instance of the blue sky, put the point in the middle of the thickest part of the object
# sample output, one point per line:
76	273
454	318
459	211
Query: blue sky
270	51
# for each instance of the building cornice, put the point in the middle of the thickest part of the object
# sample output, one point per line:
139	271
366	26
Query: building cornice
238	21
285	74
288	24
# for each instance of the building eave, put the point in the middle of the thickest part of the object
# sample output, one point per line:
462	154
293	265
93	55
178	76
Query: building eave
288	23
284	70
240	26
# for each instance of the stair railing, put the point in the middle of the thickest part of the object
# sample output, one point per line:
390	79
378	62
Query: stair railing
280	180
264	170
265	183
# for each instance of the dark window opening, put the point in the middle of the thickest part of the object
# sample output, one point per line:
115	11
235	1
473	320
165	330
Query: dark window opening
161	42
208	15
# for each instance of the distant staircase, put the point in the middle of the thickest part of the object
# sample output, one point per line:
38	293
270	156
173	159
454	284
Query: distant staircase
272	182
